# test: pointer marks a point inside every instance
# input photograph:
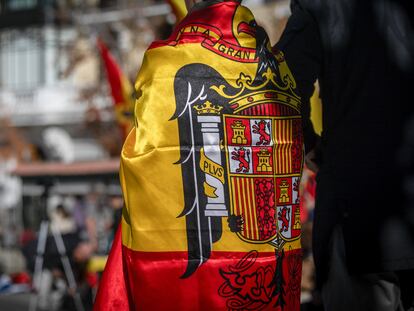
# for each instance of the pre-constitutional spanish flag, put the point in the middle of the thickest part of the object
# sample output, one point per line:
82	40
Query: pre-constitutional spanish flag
179	9
121	90
210	174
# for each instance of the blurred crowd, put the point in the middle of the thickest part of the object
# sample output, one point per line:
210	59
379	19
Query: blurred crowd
86	224
310	297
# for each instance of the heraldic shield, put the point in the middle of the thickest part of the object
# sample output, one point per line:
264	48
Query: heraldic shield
263	180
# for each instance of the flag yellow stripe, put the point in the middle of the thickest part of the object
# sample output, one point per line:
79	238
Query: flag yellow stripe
289	146
253	206
287	149
283	142
277	147
249	208
242	202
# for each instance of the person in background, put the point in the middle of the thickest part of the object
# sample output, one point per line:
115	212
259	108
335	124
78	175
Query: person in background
116	202
61	220
362	53
80	212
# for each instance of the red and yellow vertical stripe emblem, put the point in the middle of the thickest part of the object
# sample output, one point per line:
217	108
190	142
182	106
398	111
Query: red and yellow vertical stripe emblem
261	151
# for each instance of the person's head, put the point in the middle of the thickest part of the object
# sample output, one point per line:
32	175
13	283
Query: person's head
60	209
189	3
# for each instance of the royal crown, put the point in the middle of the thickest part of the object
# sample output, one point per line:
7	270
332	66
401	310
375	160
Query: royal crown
264	153
275	87
208	108
284	184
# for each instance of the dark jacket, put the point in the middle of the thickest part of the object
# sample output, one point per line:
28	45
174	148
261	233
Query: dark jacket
362	53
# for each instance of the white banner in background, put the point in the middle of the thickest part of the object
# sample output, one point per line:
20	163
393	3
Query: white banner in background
10	186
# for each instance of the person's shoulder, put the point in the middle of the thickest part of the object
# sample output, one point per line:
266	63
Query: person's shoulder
304	12
310	6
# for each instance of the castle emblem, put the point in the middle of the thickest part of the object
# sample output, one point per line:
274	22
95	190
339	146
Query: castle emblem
238	133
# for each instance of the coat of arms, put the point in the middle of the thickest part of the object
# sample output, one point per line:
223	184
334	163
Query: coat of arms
241	153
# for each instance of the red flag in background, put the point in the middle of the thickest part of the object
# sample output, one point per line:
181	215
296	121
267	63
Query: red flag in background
121	90
179	9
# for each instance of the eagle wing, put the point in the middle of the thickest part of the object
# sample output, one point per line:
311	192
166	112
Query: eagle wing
192	88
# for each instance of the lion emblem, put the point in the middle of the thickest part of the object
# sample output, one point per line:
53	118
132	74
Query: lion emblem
260	128
242	155
283	217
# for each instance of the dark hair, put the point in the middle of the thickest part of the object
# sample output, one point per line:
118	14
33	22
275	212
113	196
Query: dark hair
61	208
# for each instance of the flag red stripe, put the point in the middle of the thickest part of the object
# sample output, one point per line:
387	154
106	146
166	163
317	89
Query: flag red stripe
113	73
112	292
152	275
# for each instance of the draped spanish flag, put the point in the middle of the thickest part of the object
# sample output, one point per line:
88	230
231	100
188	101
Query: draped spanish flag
179	9
210	174
121	90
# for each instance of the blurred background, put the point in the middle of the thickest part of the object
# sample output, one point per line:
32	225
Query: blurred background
61	131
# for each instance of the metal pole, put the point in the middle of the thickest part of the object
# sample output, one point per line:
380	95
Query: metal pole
68	269
41	246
